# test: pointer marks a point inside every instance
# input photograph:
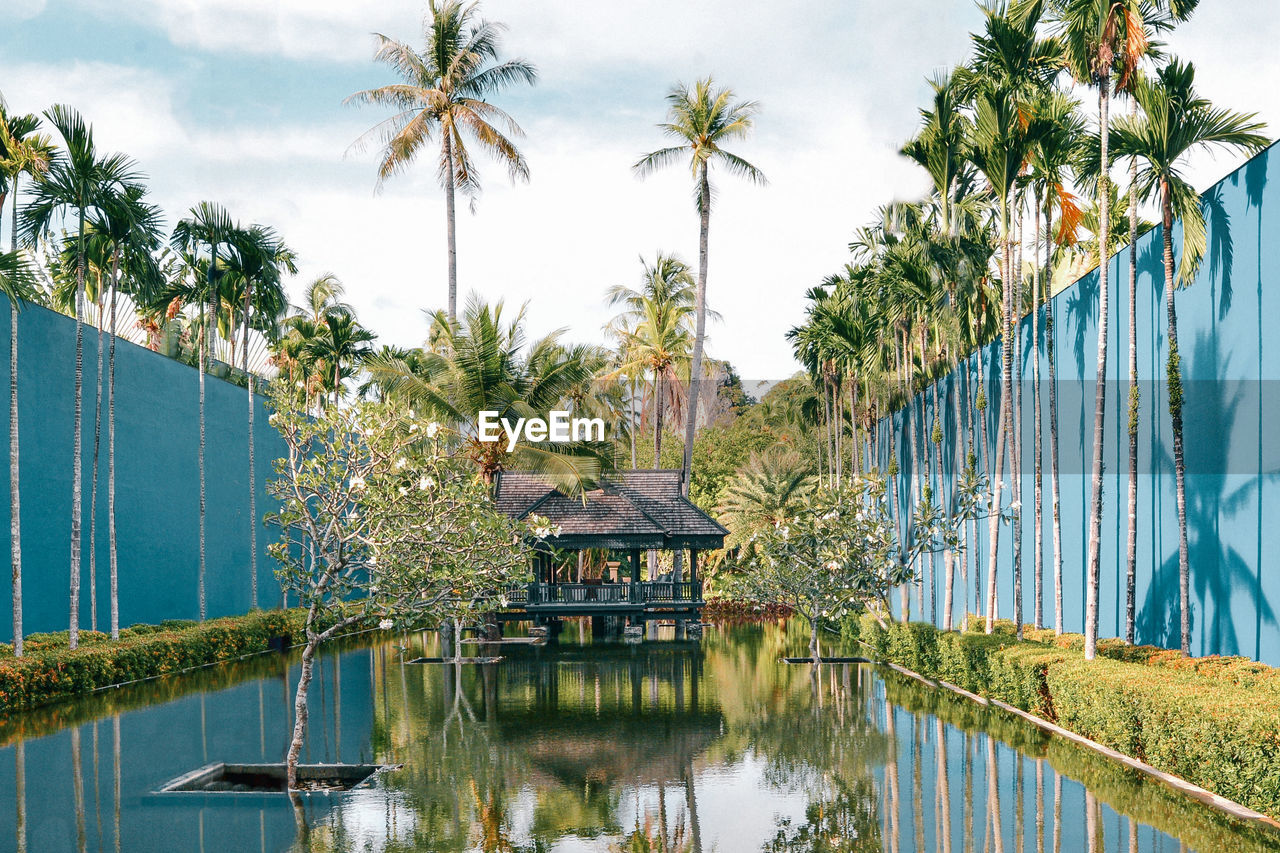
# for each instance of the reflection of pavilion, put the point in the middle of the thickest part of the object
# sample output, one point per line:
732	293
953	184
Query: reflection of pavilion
604	714
628	513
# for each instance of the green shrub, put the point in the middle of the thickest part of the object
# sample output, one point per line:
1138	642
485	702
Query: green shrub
50	671
914	645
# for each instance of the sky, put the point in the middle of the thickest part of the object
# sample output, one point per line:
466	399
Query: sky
241	102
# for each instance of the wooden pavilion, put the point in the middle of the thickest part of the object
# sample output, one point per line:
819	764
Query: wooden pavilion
628	513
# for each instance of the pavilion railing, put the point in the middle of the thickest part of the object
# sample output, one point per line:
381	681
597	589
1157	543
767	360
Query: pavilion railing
645	592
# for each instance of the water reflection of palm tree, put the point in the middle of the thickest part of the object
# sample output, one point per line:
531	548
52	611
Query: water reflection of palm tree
944	784
20	790
891	779
968	793
77	781
993	796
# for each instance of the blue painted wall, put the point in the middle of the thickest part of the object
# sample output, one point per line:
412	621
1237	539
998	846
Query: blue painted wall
1229	339
157	482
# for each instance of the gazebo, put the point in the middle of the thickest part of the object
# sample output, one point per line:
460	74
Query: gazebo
629	512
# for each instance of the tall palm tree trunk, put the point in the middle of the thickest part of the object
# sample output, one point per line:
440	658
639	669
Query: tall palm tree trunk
77	451
1055	491
1175	415
631	402
1094	566
112	555
1005	441
944	508
1131	542
1015	446
206	363
700	324
1037	520
657	419
93	479
253	480
15	496
450	223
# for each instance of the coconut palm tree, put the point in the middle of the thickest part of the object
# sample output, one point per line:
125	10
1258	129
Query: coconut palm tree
77	183
255	267
701	120
17	281
208	226
656	318
658	344
1175	121
443	92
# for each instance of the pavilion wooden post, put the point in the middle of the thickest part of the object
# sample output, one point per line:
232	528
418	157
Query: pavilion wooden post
635	574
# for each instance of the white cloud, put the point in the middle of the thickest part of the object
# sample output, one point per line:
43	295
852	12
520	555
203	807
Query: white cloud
294	29
21	10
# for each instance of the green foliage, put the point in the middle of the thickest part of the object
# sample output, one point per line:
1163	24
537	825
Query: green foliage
49	671
836	554
372	511
772	485
1211	721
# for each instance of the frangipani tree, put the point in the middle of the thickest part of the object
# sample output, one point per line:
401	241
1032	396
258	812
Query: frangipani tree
377	524
836	555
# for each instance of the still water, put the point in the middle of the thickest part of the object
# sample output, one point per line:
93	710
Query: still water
709	745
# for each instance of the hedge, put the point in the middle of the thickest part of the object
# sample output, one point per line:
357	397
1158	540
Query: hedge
1212	721
49	670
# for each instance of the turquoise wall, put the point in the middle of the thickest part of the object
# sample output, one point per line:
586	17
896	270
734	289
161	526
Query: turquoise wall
1229	339
157	482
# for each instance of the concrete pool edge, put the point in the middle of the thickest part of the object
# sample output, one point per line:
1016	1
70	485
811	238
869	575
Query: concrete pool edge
1177	783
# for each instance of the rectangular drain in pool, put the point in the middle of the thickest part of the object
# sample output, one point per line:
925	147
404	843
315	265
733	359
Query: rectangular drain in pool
484	660
221	778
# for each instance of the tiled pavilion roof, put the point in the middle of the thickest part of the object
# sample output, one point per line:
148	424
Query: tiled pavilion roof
629	509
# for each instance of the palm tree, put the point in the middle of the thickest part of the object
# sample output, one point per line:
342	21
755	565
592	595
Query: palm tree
658	344
1099	38
767	490
78	181
484	363
443	91
1055	150
1175	121
1003	139
256	265
1182	11
702	119
17	281
128	229
22	151
208	225
653	331
338	348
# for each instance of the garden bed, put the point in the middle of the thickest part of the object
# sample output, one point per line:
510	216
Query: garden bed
50	671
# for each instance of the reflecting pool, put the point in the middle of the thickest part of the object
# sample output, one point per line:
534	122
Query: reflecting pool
663	745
